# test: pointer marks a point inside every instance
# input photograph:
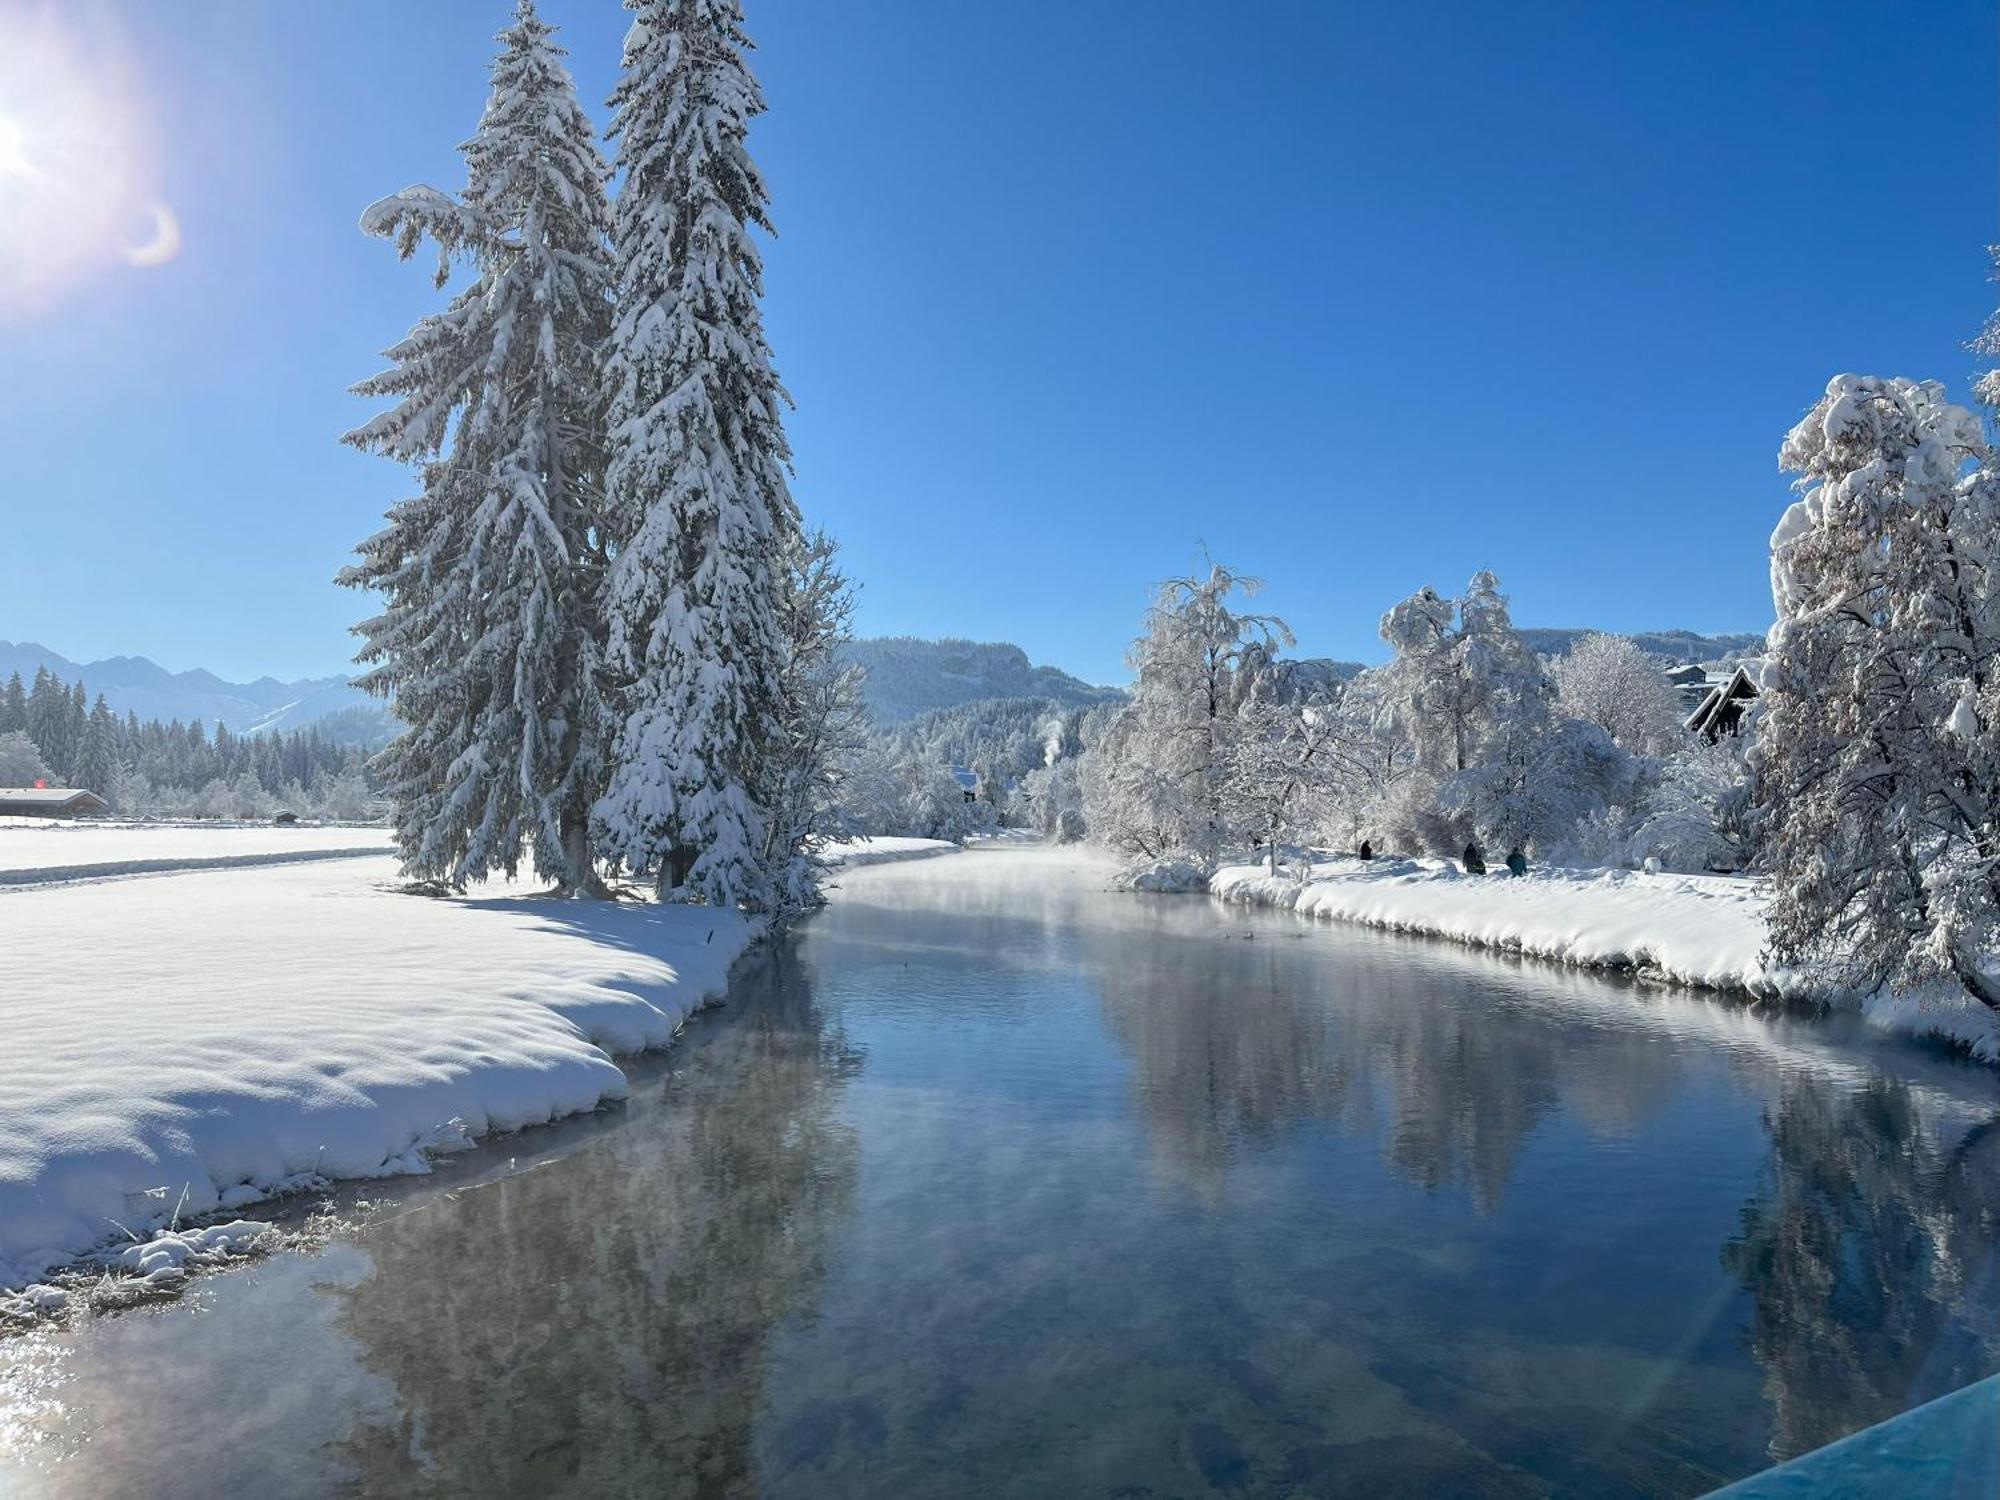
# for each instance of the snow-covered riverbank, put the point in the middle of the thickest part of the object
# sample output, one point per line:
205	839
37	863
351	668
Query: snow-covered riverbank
190	1042
1700	930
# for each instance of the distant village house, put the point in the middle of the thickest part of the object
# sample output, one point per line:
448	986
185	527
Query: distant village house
50	802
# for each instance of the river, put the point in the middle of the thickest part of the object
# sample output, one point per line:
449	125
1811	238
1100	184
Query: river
990	1181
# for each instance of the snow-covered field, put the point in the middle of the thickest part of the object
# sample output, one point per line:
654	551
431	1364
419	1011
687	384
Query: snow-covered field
36	850
198	1040
190	1042
1701	930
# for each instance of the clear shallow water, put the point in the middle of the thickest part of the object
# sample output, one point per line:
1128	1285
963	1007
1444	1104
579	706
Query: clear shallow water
994	1183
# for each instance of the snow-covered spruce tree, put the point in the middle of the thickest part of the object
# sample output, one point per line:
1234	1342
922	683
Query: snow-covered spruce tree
97	756
1153	786
485	643
1878	764
1609	681
821	721
14	706
701	521
54	723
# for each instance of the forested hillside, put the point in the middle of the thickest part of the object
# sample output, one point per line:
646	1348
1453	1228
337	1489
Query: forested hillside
908	676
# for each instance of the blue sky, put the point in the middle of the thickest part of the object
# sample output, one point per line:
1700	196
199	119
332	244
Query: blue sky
1360	296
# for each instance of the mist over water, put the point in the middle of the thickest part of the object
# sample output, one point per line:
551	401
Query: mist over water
990	1181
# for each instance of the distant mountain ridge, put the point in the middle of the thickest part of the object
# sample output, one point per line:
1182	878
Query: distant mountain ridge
907	676
133	684
1679	645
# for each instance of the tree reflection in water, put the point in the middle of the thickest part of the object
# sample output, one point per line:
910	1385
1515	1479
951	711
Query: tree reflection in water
1423	1046
1870	1259
554	1358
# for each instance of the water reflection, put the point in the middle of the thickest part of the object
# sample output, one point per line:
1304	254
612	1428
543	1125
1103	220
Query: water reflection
1012	1186
570	1328
1870	1258
1438	1055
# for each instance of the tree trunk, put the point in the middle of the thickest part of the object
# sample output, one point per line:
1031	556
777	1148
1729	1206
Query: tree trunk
583	879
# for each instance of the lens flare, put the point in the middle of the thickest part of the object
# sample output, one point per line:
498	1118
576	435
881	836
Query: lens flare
77	195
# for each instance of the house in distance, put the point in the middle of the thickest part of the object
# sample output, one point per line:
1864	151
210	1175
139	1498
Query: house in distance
50	802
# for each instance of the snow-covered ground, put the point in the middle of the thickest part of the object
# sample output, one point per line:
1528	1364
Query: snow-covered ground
36	850
183	1045
877	851
1701	930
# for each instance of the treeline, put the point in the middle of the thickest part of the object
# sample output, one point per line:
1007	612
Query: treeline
1020	753
52	731
1465	737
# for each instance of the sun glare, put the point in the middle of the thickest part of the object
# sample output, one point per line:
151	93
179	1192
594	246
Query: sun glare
14	150
75	168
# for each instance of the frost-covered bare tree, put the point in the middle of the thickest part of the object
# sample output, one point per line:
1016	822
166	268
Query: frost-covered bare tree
700	518
1153	787
821	721
484	640
1493	762
1877	756
1608	681
1281	769
21	763
1459	672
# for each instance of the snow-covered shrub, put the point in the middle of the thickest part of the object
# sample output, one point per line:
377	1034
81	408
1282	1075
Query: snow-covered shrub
1166	877
1697	813
21	764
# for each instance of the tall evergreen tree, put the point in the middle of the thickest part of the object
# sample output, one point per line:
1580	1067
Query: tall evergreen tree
698	511
486	643
48	721
97	756
14	707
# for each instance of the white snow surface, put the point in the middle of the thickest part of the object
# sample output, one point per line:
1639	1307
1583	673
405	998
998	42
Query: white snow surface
38	851
227	1033
176	1047
876	851
1705	931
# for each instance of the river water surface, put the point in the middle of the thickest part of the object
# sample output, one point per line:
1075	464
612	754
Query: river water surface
993	1182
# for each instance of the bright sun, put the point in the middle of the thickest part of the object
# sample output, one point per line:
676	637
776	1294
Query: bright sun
14	150
75	196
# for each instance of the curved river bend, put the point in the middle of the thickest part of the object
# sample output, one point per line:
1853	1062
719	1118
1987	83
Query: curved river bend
992	1182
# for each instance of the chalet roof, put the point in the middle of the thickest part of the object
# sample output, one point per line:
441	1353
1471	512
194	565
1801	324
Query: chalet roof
17	799
1739	685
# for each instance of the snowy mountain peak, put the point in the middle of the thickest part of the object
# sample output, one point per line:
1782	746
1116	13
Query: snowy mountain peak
134	684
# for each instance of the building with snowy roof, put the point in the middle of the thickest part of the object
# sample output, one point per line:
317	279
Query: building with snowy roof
1725	703
50	802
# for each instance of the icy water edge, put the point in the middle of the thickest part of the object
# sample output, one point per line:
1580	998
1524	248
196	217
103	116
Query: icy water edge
992	1182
